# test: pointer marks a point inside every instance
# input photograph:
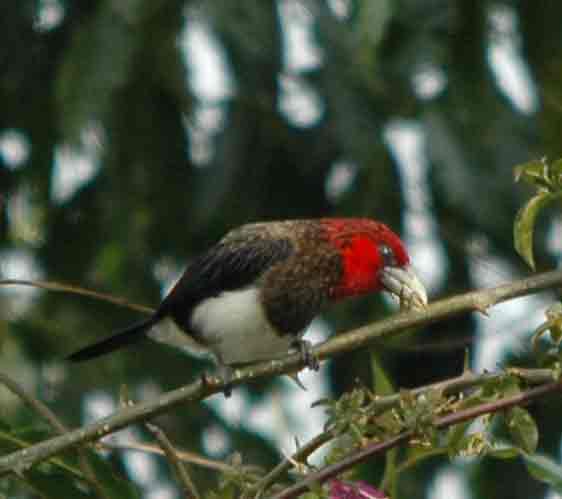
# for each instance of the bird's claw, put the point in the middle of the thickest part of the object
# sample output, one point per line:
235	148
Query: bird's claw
297	380
308	357
226	373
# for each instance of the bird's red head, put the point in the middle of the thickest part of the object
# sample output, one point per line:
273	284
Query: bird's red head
366	247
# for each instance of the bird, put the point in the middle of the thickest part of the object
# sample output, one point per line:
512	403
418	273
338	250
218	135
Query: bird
252	295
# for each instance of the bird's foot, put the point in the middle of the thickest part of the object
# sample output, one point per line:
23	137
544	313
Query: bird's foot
297	380
309	358
226	374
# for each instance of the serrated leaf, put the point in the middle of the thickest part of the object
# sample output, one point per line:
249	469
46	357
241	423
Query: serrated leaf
533	172
544	469
524	225
474	444
503	386
455	437
554	316
523	429
555	171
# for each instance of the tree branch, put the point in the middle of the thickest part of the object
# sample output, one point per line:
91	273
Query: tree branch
180	468
481	300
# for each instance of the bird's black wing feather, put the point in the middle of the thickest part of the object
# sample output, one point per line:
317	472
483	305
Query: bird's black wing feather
225	267
127	336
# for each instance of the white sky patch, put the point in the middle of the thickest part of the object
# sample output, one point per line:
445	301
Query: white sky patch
14	148
98	404
299	102
141	465
552	494
75	166
341	8
340	179
207	120
449	482
509	325
18	264
504	56
162	492
301	52
216	442
49	15
554	241
205	59
406	141
429	82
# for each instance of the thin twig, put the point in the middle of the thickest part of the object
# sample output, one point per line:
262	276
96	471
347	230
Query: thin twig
299	456
186	456
76	290
467	380
477	300
34	403
43	411
188	486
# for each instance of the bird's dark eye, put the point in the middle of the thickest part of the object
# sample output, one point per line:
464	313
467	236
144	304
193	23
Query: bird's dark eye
387	255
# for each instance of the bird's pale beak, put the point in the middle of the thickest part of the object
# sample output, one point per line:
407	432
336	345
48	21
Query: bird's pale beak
403	283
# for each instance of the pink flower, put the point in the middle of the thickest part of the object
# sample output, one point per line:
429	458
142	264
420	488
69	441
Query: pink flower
354	490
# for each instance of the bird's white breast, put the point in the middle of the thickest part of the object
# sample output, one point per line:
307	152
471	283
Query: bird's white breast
235	327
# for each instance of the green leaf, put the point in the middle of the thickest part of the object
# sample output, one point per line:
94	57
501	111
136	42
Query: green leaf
525	223
372	20
473	444
523	429
554	316
544	469
456	438
535	173
555	171
504	452
382	384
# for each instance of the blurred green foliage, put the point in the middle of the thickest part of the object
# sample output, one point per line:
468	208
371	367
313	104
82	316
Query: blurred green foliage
172	168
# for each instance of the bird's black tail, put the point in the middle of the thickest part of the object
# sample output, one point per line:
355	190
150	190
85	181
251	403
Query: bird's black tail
131	334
